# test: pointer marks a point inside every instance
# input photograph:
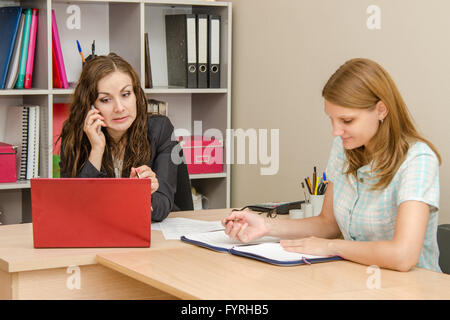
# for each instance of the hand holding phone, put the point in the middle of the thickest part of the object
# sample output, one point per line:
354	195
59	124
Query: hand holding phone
92	127
99	128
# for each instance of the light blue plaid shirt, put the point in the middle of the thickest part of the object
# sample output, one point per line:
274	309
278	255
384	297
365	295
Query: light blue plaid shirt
365	215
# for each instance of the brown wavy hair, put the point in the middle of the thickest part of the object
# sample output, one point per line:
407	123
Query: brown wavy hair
361	83
75	143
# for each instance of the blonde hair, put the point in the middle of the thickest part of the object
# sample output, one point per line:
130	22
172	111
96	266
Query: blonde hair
362	83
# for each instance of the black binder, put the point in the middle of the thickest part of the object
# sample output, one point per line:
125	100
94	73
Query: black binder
181	50
214	51
202	41
148	67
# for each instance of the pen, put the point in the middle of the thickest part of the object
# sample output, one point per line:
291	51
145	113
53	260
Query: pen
314	180
321	187
324	177
304	192
325	188
309	185
317	185
81	53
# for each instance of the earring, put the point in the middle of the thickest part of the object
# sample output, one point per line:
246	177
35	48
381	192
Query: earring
381	121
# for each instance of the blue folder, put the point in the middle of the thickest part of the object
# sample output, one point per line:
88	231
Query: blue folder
216	242
9	23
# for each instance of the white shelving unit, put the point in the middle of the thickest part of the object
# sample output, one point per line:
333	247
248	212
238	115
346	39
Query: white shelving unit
119	26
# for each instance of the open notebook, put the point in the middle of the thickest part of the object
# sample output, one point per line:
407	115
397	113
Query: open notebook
267	249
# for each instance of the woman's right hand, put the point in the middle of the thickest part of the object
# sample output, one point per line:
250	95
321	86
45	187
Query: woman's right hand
92	127
245	226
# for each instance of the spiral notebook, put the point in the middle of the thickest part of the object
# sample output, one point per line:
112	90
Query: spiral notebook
266	249
16	133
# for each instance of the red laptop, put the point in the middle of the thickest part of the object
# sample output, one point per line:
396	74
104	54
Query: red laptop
88	212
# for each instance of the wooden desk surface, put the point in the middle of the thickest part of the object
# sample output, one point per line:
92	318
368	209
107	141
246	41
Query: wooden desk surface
199	273
190	272
18	254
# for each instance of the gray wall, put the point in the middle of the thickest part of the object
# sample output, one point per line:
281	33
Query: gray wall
283	53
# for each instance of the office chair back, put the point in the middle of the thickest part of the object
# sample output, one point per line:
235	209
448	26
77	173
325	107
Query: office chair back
183	195
443	238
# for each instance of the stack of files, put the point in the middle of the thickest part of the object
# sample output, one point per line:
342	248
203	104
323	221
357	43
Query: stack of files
157	107
193	50
266	249
59	70
22	130
17	51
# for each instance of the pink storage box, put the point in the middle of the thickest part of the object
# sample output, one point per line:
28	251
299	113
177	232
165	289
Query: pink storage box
7	163
203	154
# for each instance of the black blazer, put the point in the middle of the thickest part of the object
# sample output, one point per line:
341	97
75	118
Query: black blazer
159	134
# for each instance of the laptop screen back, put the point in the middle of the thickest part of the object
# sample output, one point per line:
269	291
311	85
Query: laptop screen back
89	212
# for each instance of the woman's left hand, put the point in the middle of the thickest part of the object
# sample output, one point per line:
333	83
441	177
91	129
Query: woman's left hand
311	245
145	172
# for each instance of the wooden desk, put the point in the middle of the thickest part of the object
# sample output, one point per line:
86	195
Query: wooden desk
171	269
198	273
28	273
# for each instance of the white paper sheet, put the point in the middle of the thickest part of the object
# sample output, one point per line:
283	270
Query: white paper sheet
174	228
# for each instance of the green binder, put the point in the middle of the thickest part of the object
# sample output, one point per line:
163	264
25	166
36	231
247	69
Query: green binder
23	54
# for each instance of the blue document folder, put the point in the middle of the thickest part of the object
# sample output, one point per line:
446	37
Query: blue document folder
266	249
9	23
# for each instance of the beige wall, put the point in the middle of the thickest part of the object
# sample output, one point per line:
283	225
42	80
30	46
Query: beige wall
285	50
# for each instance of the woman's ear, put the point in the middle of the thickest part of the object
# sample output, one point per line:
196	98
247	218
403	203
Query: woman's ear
381	110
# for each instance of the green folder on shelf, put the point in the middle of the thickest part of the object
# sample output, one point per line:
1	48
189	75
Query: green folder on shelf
23	54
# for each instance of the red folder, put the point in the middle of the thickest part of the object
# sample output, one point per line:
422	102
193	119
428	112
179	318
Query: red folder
56	77
58	53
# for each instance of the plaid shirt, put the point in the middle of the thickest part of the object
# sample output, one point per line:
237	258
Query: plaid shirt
365	215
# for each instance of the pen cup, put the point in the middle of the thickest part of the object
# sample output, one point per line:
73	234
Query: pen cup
296	214
308	210
317	202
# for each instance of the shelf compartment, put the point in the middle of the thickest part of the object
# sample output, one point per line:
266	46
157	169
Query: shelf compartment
15	185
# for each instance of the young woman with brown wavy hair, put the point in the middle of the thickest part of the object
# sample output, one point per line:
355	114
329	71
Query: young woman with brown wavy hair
109	134
383	193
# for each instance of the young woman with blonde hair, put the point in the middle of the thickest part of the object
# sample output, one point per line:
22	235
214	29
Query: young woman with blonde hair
383	193
109	133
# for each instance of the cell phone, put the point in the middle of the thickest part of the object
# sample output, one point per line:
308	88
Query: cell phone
99	128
